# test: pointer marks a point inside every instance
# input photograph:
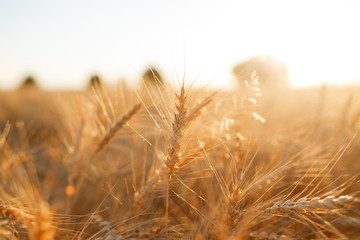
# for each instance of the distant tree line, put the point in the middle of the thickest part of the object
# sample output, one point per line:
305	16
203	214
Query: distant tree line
272	74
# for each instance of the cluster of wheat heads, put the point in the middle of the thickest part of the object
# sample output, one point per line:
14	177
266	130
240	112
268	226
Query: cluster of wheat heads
180	164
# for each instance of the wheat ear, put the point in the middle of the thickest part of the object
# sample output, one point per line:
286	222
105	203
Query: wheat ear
178	126
117	127
151	183
312	205
270	236
232	211
106	229
173	156
15	215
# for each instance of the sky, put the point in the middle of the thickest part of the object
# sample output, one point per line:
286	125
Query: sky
63	43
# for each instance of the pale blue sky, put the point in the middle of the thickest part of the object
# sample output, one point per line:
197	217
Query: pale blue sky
62	43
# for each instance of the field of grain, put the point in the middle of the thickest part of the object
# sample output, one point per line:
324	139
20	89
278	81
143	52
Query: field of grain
180	163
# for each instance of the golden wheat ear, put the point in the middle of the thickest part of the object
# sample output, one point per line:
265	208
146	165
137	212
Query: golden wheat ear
313	205
16	215
111	134
173	157
267	235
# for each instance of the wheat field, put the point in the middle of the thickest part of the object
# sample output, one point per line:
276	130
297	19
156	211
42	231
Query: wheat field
180	163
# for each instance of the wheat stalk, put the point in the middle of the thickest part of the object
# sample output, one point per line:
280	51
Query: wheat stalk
43	229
